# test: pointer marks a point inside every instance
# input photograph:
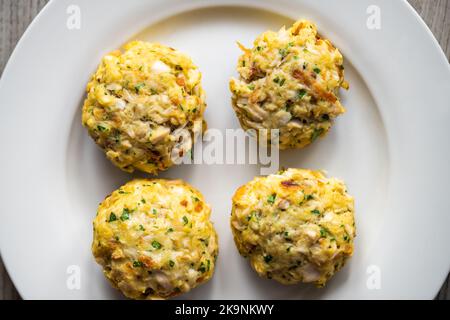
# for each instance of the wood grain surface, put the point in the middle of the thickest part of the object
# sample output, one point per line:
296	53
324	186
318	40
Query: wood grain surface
16	15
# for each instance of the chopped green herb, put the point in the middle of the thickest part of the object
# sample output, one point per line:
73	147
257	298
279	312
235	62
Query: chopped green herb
195	199
282	81
156	244
123	192
309	197
315	211
258	48
170	230
268	258
301	93
137	264
141	227
185	220
251	86
276	80
125	214
171	263
323	232
102	128
316	133
272	198
143	200
283	52
208	264
154	211
316	70
139	86
112	217
202	268
250	216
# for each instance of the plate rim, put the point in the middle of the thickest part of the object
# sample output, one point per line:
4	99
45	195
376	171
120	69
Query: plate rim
42	14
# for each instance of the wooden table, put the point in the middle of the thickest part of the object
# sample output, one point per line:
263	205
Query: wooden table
16	15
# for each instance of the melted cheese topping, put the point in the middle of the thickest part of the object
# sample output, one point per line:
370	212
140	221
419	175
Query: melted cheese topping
294	226
154	239
289	81
137	103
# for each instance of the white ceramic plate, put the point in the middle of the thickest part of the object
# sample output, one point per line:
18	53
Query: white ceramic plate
391	147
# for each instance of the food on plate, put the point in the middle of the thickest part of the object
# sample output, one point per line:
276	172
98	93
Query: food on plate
144	106
154	239
294	226
289	81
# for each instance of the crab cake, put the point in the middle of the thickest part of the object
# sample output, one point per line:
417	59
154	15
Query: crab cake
294	226
154	239
144	106
289	81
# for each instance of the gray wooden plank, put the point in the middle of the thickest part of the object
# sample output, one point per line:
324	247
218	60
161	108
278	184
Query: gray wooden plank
444	293
436	14
7	289
16	15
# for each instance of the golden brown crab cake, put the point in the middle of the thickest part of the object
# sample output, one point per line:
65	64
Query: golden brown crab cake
289	81
144	106
294	226
154	239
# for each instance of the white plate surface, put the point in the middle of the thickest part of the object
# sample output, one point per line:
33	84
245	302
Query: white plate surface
391	147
